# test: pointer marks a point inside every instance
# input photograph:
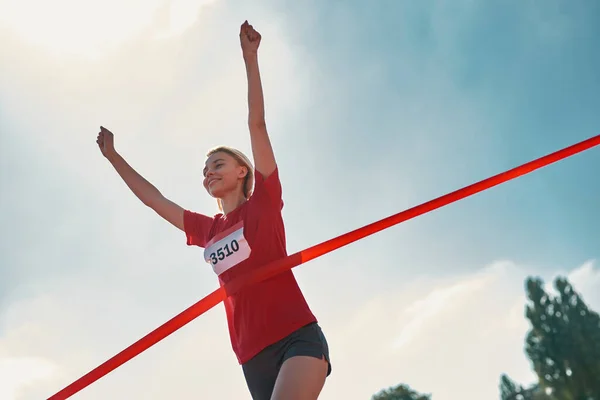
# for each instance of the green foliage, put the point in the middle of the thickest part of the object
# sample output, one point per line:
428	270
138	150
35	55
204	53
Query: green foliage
563	345
509	390
400	392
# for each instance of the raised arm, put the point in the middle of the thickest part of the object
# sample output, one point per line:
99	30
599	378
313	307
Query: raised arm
264	158
144	190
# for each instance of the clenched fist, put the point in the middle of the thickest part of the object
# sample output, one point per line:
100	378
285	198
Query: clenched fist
105	142
249	39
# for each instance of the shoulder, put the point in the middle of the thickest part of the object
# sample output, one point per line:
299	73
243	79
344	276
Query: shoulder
192	218
267	190
198	227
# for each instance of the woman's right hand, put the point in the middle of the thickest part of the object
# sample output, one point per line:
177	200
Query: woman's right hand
105	142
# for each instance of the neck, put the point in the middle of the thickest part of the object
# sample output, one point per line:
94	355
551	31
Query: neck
232	201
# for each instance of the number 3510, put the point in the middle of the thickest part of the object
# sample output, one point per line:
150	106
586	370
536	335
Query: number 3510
224	252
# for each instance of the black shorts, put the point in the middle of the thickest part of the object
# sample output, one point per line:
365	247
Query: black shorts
261	371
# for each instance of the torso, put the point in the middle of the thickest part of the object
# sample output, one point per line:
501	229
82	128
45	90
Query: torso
251	236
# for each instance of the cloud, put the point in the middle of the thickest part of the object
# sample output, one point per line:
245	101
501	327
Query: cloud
91	29
61	337
452	337
18	373
439	300
585	279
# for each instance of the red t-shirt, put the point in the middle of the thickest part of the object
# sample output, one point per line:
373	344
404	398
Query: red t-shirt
248	237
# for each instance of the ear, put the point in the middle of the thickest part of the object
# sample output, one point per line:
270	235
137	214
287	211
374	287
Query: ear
244	171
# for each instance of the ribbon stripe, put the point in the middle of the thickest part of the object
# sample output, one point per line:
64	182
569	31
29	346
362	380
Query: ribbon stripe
291	261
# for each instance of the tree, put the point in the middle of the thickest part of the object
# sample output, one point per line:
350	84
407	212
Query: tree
563	345
400	392
509	390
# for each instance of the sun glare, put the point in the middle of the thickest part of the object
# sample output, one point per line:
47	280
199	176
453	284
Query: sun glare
91	27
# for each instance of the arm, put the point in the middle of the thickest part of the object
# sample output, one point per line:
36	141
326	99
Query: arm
148	193
144	190
264	158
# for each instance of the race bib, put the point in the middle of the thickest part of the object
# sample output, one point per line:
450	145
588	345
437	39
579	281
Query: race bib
228	251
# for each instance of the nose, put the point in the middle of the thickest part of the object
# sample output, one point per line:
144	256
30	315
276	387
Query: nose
208	176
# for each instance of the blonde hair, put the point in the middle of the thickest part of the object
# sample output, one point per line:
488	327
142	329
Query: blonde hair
241	158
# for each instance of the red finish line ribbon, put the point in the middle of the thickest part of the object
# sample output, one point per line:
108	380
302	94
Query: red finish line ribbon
281	265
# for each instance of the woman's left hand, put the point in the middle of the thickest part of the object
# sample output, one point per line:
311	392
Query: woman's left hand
249	39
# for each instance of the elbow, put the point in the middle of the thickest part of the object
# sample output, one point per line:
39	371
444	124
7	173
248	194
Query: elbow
149	204
153	201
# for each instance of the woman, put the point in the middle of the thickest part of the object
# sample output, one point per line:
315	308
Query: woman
275	336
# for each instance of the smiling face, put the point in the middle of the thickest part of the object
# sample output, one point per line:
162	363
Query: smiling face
223	174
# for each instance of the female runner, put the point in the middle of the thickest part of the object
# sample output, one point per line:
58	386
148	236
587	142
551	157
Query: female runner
274	334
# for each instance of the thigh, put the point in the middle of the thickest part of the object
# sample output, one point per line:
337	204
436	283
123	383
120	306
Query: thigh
301	378
305	366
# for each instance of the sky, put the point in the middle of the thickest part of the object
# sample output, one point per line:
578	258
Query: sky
372	108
